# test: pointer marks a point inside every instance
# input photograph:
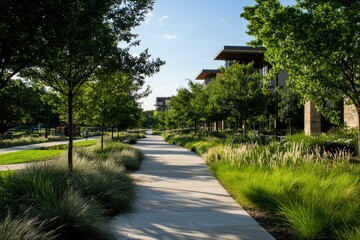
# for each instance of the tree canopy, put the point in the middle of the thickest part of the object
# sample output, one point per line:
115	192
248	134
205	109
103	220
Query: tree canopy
315	41
93	32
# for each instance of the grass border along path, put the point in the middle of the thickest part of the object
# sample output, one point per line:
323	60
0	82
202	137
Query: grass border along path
39	154
295	192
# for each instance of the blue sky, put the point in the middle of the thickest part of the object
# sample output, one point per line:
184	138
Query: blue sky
187	34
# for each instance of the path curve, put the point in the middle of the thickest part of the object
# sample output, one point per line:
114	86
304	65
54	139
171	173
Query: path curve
179	198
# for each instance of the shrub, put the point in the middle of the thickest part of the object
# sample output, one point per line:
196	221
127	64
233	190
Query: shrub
107	184
74	217
328	142
27	187
129	158
24	229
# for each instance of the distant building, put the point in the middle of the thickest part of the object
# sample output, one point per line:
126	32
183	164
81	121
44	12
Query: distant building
208	75
244	55
162	103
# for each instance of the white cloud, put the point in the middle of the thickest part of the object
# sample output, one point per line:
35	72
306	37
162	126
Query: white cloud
223	20
148	17
189	26
162	20
169	36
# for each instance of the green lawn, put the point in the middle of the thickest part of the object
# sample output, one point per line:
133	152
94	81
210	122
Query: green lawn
37	154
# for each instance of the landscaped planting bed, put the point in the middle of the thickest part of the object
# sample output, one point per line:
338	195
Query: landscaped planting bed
45	201
295	189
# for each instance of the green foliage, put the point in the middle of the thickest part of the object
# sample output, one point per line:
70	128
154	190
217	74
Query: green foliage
27	140
315	201
21	103
41	154
122	154
328	142
316	42
107	184
24	229
311	192
72	205
29	156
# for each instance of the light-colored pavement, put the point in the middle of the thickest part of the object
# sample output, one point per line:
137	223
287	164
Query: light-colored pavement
32	146
179	198
39	145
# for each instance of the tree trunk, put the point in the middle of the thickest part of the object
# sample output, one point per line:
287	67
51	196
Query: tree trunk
358	112
70	129
290	126
46	121
102	137
244	128
112	131
217	127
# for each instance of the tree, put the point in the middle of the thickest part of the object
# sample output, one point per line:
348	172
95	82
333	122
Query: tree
112	101
290	107
148	120
180	111
92	30
216	109
28	30
315	41
21	103
240	89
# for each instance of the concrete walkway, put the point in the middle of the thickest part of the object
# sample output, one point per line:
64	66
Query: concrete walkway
179	198
39	145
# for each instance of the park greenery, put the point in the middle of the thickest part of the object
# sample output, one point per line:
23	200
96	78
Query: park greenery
316	42
236	96
76	49
45	201
40	154
302	187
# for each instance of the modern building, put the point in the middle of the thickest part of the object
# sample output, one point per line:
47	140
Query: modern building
162	103
243	55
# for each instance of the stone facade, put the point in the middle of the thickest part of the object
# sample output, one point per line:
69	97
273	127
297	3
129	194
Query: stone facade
312	120
351	118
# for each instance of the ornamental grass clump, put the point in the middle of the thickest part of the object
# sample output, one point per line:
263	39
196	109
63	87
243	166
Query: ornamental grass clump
130	158
72	206
24	229
275	155
107	184
123	154
313	192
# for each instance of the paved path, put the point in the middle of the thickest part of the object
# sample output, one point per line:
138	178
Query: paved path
39	145
32	146
179	198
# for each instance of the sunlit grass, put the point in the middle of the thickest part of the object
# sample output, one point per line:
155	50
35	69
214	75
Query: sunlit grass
28	140
33	155
72	206
315	194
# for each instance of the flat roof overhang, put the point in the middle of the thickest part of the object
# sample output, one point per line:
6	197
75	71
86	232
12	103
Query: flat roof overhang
207	73
242	54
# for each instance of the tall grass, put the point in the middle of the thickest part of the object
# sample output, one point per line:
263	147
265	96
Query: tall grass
107	184
27	140
275	155
24	229
315	193
122	154
76	205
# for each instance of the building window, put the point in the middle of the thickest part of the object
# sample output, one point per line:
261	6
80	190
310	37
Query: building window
264	70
